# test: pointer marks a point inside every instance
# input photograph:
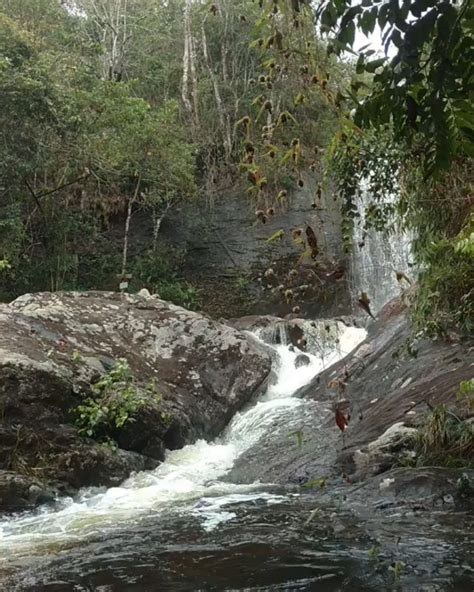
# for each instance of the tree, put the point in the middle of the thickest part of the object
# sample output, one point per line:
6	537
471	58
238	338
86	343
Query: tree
77	149
422	91
406	123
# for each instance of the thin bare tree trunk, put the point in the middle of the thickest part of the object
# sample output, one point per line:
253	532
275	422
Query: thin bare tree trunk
224	40
127	227
194	85
223	119
186	52
157	225
110	16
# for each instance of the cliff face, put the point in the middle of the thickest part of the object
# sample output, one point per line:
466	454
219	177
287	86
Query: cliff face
228	253
218	245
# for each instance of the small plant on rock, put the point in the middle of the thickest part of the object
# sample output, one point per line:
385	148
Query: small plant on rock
115	402
444	439
466	394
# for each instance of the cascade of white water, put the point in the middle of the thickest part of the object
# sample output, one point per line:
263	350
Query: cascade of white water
376	257
188	481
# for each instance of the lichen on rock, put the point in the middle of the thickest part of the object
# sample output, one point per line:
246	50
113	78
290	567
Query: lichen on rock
55	347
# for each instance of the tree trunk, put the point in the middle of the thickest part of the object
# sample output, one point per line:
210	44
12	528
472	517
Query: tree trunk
194	84
186	59
223	118
127	227
110	16
157	220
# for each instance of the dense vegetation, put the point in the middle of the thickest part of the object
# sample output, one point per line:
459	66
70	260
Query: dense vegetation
413	125
113	107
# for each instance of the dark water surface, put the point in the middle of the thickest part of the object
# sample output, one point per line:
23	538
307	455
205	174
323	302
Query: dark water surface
263	547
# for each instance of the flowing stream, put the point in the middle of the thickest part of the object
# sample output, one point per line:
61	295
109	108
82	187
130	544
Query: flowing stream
183	526
188	482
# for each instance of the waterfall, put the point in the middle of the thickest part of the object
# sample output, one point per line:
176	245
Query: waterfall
276	333
320	337
189	481
376	257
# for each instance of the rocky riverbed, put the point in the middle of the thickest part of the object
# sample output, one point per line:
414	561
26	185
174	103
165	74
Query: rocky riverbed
259	489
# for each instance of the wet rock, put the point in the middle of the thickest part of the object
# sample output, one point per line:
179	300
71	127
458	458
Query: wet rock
19	492
392	382
383	389
385	451
317	337
423	488
253	322
302	360
54	346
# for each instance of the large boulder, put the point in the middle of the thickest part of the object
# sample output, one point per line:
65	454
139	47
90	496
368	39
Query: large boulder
54	347
392	380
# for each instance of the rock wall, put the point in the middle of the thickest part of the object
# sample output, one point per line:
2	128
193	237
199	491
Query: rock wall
228	252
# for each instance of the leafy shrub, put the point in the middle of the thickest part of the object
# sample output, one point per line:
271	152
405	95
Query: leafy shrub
156	270
115	402
444	439
445	294
180	293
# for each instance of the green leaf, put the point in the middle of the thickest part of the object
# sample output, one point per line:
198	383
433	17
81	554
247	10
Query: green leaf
346	35
278	235
382	16
367	21
299	437
419	6
349	16
374	64
329	16
419	33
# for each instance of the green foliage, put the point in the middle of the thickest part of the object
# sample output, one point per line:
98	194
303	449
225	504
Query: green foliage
435	211
180	293
445	294
319	483
374	552
73	149
4	265
77	358
368	162
444	439
298	435
423	90
291	110
242	282
466	394
156	270
439	214
116	400
464	244
397	568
